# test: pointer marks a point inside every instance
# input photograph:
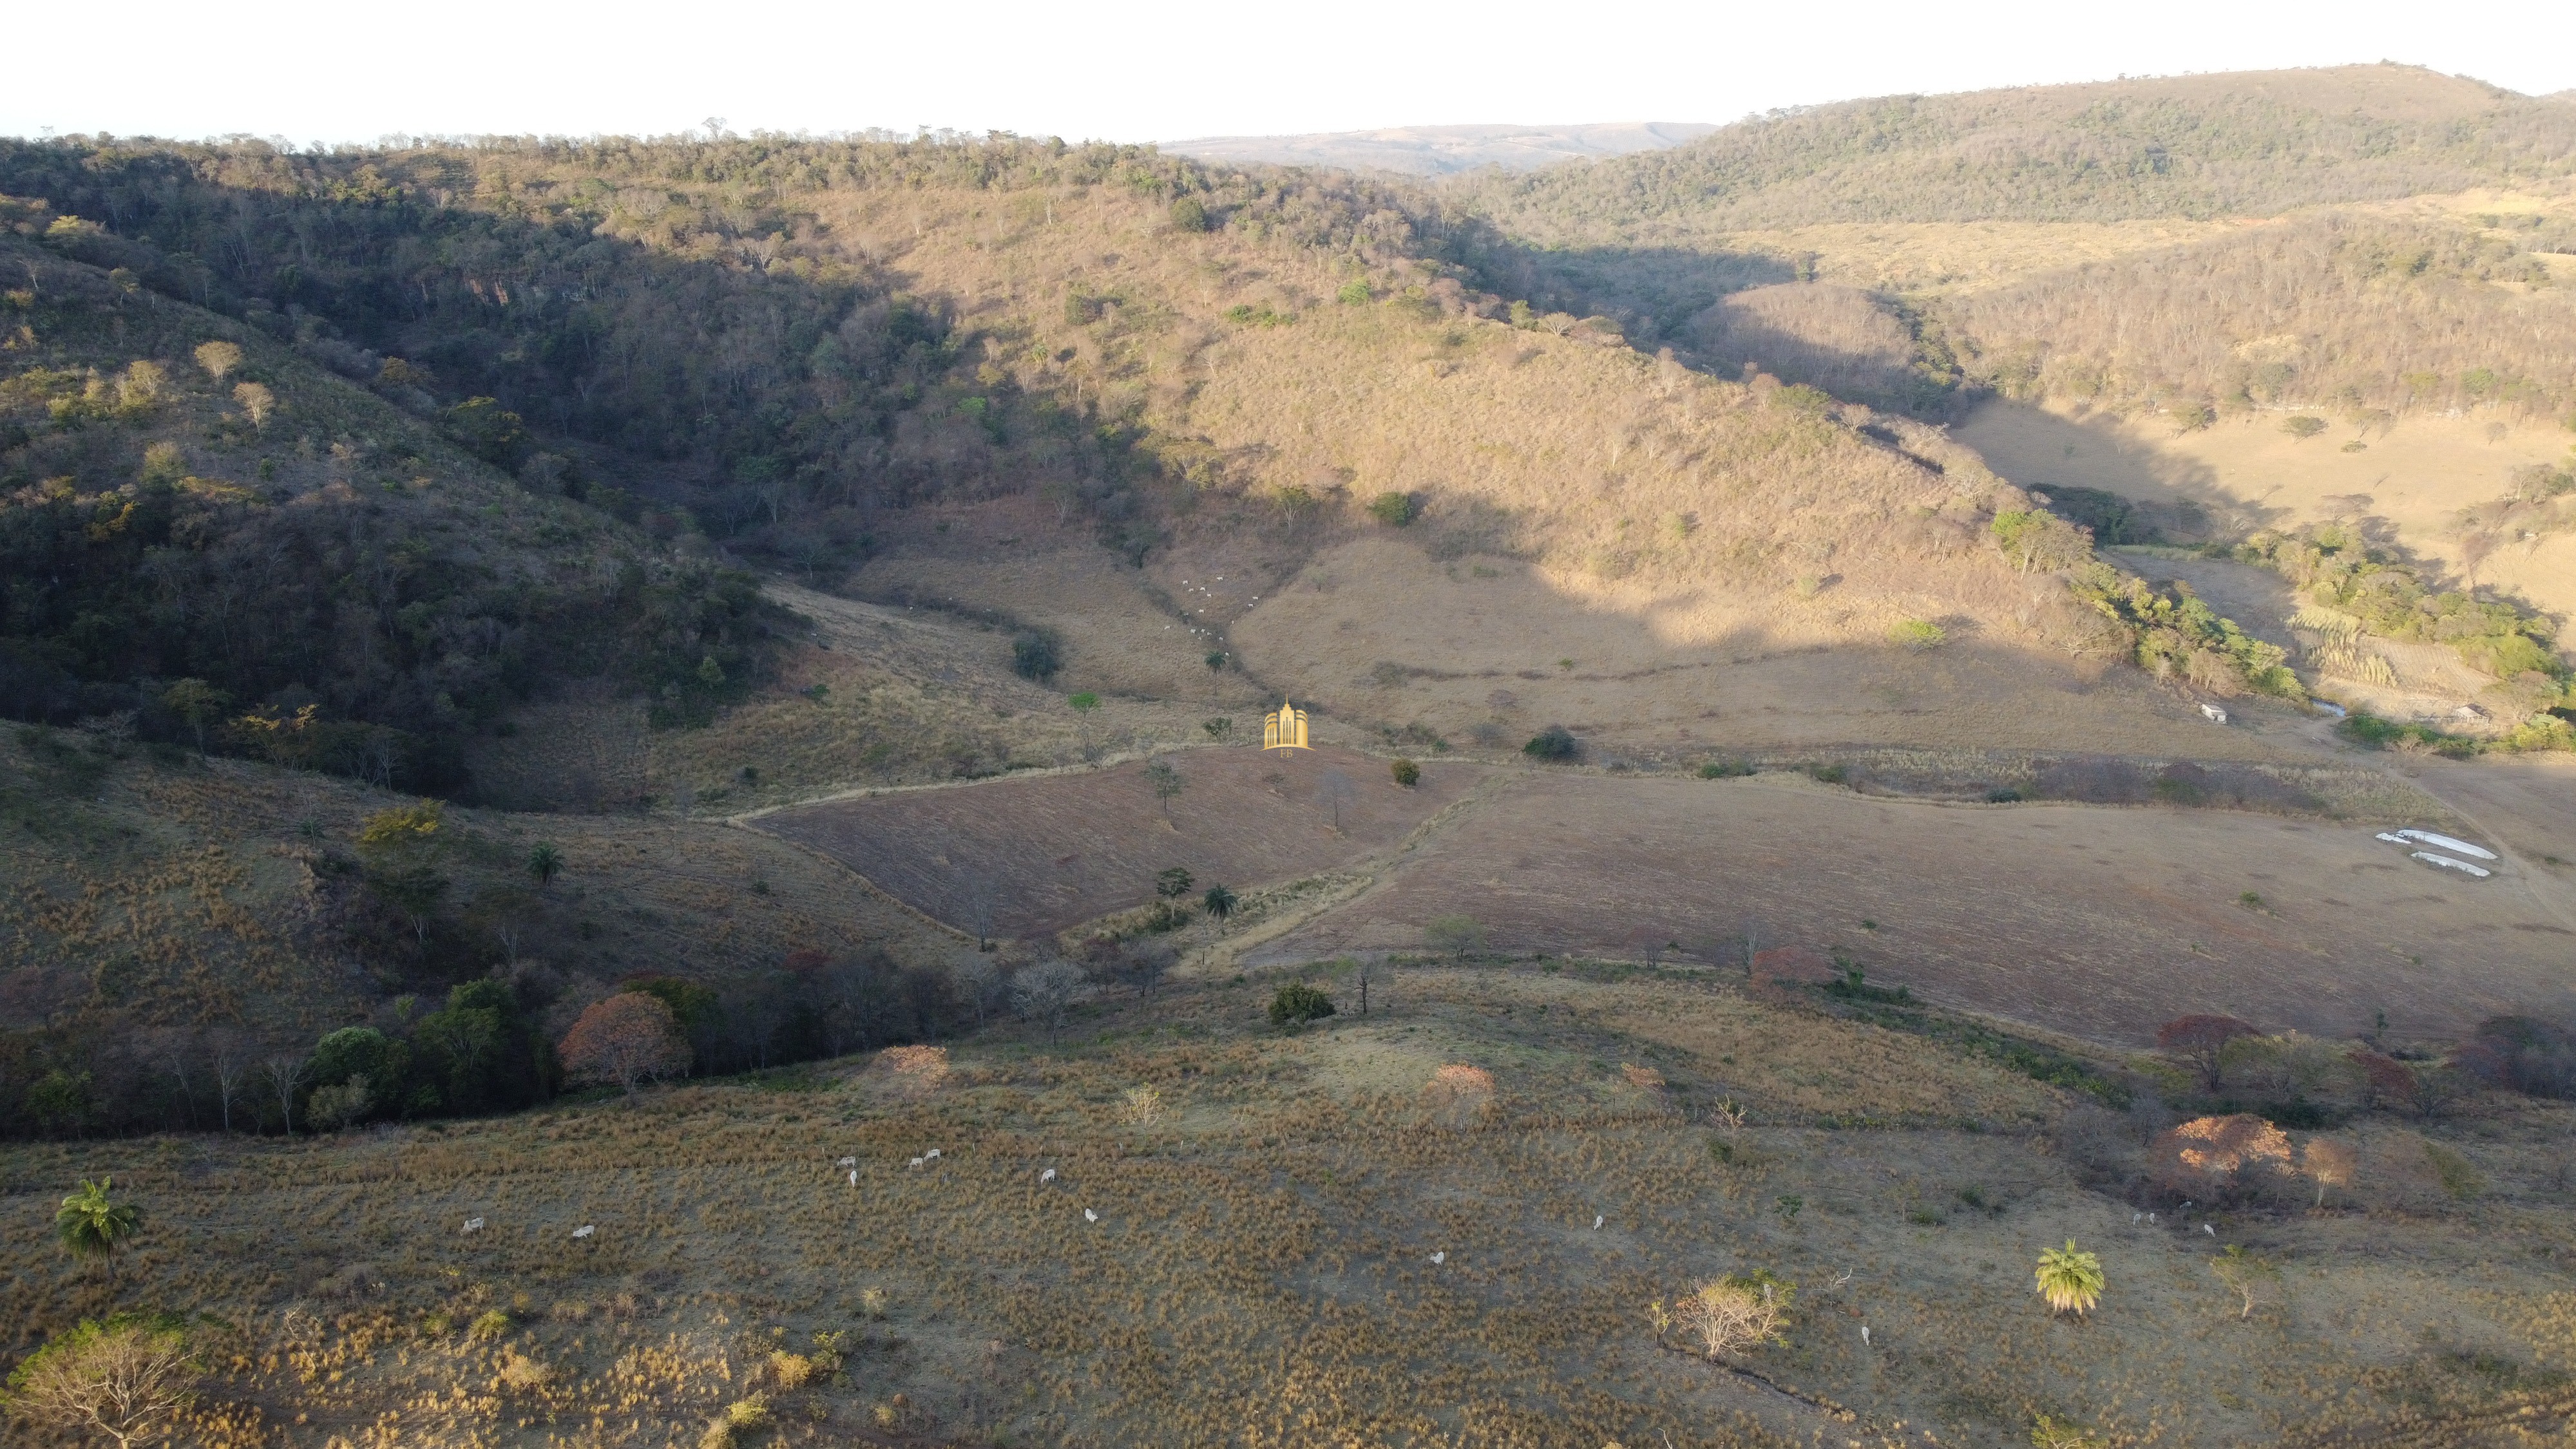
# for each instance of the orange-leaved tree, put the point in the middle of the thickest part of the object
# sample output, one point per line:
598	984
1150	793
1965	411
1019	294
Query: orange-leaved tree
626	1040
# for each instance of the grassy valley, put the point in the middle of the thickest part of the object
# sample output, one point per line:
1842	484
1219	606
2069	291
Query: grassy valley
630	811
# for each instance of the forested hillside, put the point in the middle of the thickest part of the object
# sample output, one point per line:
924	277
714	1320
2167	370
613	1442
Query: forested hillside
2197	146
209	536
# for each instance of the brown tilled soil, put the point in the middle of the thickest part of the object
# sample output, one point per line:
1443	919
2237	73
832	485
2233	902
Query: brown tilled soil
1051	851
2100	922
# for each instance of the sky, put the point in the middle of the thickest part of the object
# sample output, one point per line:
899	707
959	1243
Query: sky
1146	70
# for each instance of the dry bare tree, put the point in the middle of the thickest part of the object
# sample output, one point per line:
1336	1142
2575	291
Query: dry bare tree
2250	1277
1731	1315
2329	1164
122	1378
1048	990
285	1073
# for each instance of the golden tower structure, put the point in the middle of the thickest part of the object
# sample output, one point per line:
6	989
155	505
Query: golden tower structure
1285	729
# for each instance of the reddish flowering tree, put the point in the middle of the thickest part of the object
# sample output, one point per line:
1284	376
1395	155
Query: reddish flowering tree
626	1040
2200	1040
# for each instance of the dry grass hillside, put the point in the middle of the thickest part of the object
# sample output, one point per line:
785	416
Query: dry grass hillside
156	901
1447	1222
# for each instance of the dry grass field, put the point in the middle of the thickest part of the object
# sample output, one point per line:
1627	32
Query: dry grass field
1261	1269
1033	856
2100	922
2414	474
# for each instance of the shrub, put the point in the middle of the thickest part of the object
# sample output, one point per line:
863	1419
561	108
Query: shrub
1733	1314
1189	214
1553	743
1036	654
1827	774
1355	293
1297	1003
1406	773
1918	634
1726	768
1395	510
2304	427
491	1325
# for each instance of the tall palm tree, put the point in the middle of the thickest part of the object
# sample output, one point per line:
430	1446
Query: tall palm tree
545	863
2069	1279
93	1226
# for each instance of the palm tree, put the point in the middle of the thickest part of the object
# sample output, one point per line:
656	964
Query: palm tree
1219	902
93	1226
545	863
2069	1279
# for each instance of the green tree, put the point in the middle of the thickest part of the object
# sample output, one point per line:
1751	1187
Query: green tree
1168	784
1220	903
2304	427
92	1225
1456	935
489	431
60	1100
1406	773
1555	742
1219	729
1296	1003
1083	704
1189	214
197	702
545	862
122	1378
1172	883
2068	1278
1036	654
1356	293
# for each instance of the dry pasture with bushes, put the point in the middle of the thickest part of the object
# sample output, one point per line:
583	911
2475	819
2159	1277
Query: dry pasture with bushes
1257	1265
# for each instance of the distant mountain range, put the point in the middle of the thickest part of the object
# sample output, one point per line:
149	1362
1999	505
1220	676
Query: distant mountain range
1441	150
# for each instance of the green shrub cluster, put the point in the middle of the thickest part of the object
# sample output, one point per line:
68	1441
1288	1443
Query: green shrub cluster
2172	631
2338	568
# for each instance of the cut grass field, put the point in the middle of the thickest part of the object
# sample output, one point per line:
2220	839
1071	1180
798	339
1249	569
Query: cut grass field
2102	922
1261	1269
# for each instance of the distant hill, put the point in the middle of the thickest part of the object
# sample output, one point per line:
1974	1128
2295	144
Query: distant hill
2252	144
1444	150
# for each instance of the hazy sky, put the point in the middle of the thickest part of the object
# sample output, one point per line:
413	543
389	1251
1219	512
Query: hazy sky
1149	70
